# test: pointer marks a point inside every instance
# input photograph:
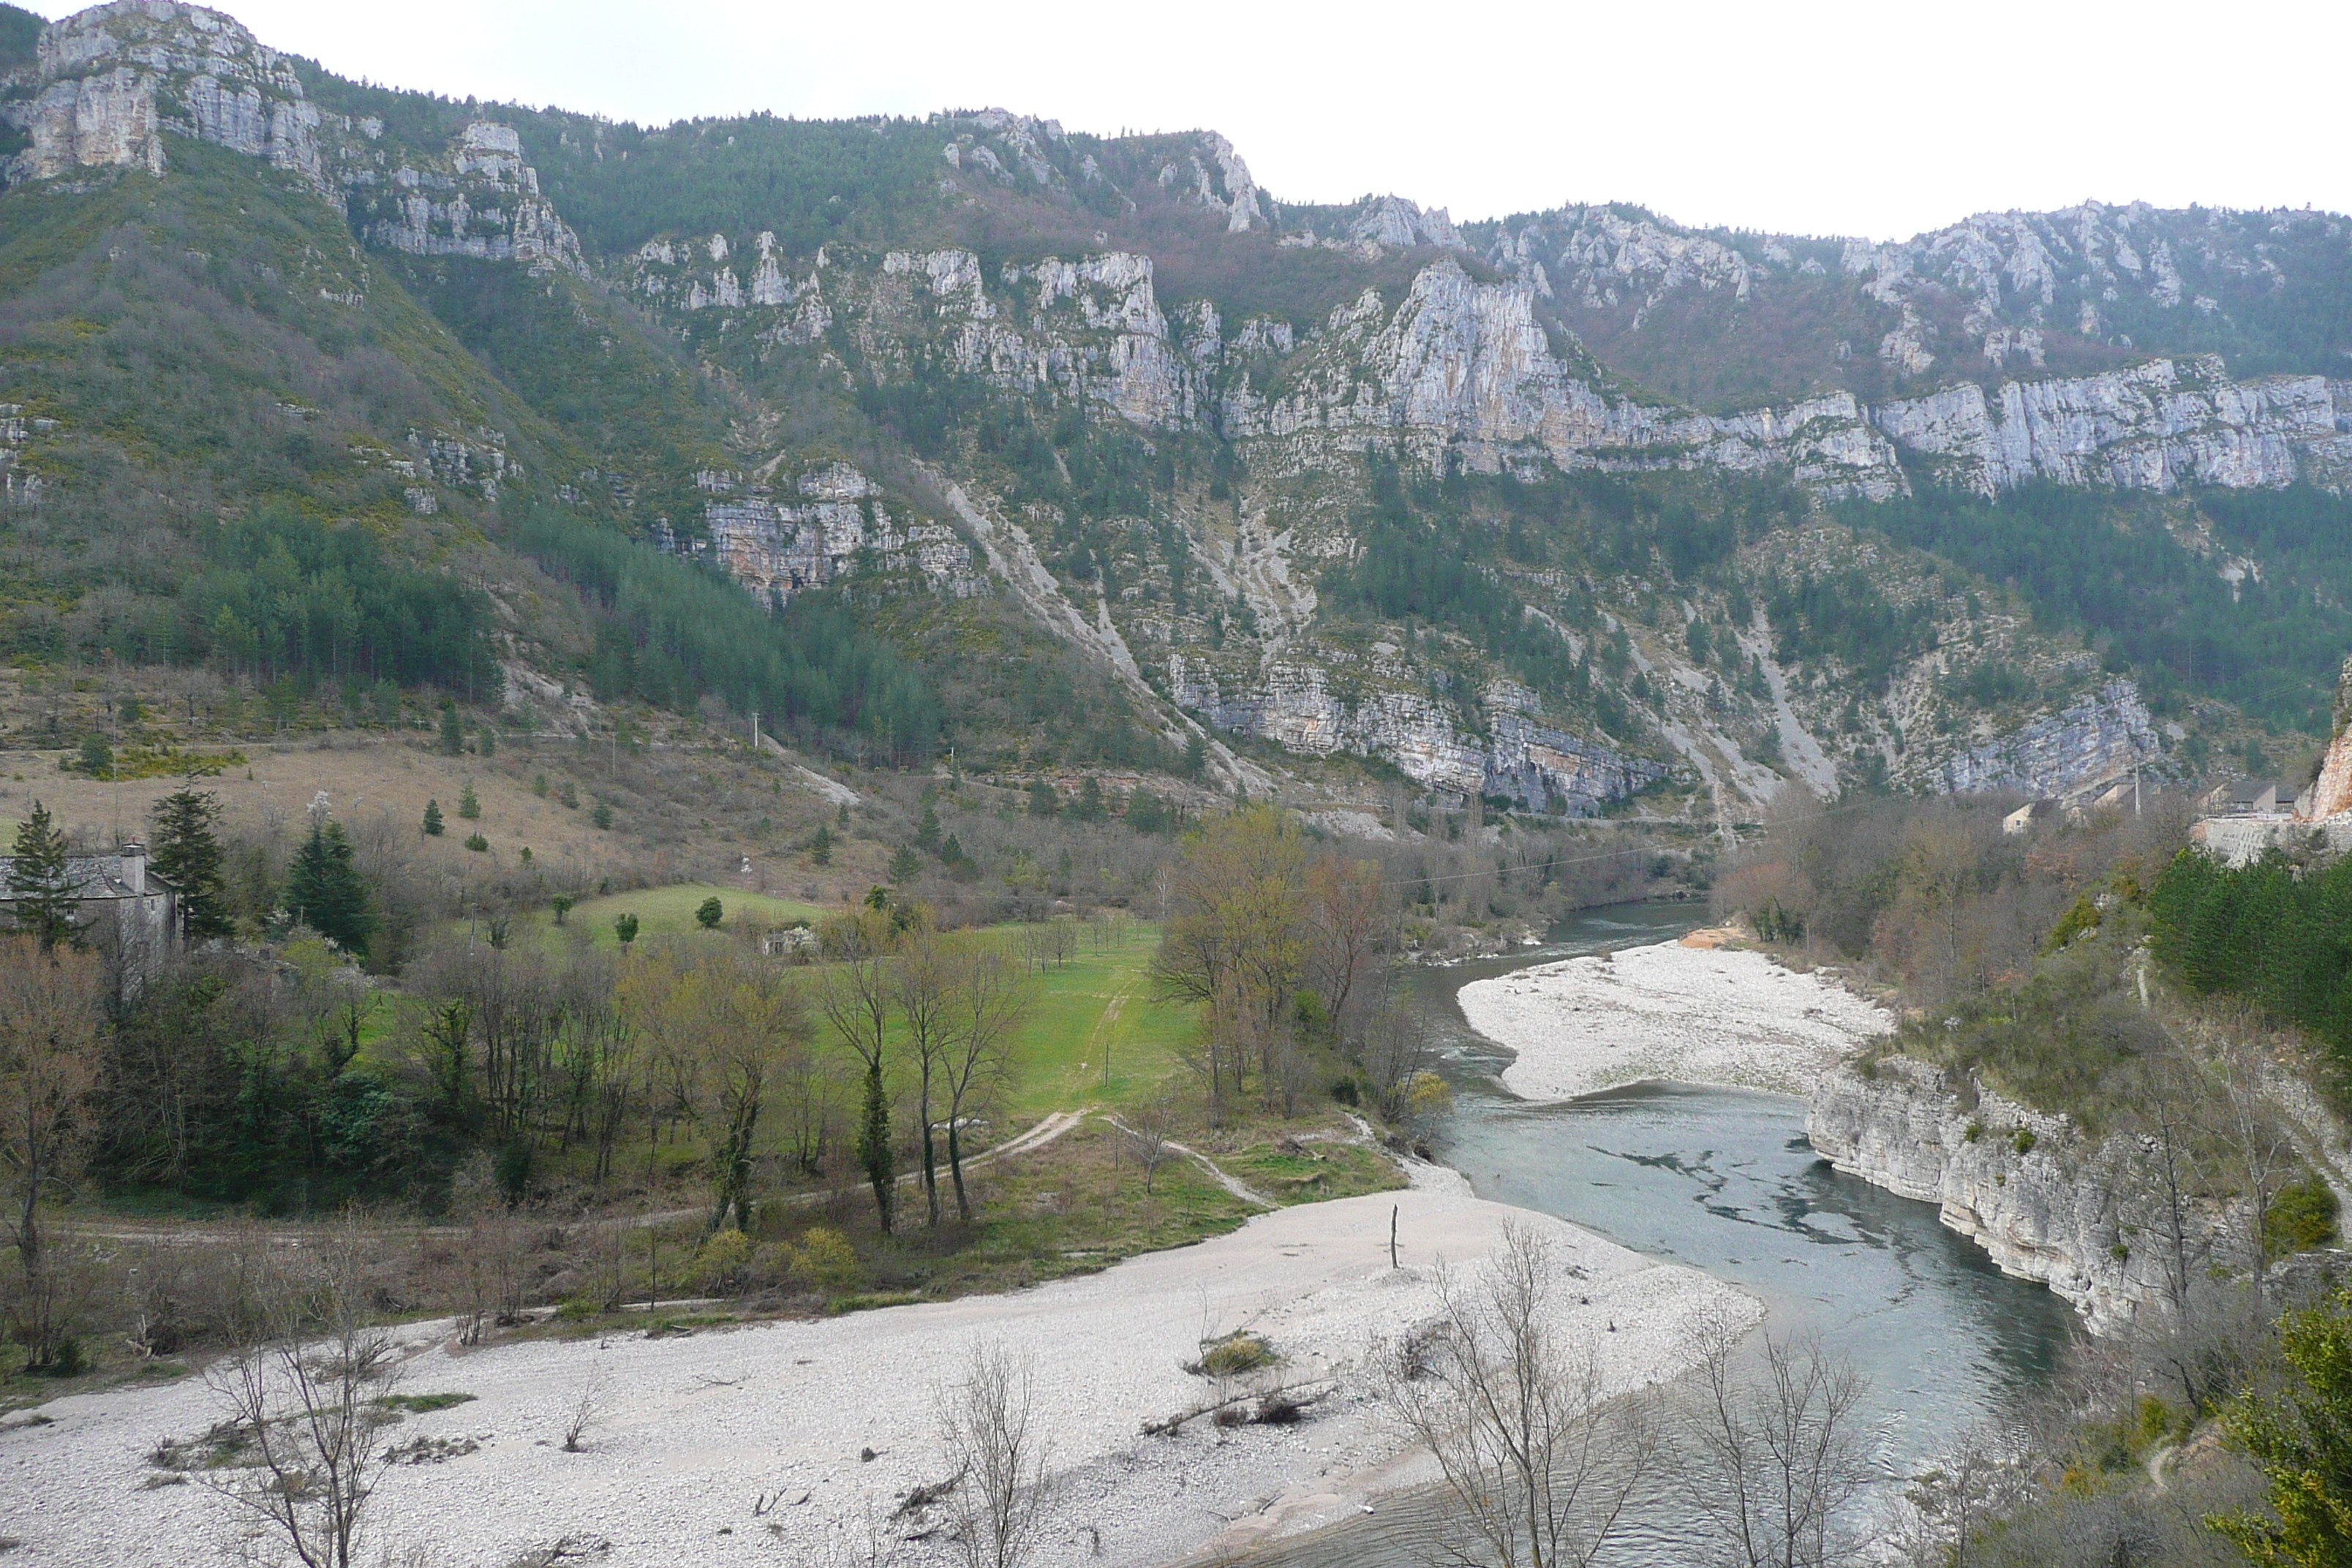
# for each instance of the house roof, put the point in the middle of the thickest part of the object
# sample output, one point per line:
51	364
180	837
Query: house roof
93	877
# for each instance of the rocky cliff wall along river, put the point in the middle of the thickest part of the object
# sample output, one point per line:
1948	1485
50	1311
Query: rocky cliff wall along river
2026	1186
1723	1179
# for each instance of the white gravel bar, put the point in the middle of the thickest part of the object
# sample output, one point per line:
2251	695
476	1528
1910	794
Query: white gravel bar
743	1445
1677	1012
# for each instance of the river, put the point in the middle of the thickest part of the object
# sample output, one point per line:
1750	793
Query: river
1723	1180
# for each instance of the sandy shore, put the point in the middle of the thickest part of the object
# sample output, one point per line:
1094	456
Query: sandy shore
1686	1014
743	1446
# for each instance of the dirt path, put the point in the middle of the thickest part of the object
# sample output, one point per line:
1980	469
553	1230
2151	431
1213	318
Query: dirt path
1217	1172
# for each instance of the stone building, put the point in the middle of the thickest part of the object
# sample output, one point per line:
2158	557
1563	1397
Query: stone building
127	911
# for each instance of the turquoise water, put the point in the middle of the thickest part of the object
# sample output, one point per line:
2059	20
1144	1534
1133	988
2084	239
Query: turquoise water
1723	1180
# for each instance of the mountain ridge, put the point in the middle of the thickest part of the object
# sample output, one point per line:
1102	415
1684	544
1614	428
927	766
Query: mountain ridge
780	347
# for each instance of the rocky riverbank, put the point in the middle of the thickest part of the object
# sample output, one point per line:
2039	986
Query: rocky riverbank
789	1441
2027	1186
1686	1012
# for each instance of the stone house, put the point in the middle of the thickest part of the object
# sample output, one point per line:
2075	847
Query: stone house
128	912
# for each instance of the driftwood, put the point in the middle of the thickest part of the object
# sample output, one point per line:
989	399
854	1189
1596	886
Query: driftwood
1286	1396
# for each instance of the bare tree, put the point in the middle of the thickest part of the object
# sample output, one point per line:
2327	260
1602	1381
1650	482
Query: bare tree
923	986
48	1049
987	1003
305	1392
1769	1462
1148	1131
588	1410
1397	1049
1540	1464
2255	1139
1978	1481
1003	1495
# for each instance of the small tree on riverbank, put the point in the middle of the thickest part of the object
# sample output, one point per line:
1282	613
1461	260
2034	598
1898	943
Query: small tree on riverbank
1539	1462
1003	1499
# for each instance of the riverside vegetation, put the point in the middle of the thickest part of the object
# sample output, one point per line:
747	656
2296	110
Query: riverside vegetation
2109	972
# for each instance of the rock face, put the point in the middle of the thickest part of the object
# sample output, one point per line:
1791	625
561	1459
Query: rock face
1294	704
2331	794
2153	427
480	200
2096	737
2044	1206
837	525
110	79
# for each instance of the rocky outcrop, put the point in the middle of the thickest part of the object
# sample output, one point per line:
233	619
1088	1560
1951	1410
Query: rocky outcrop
2155	428
2331	793
1294	703
2098	736
480	200
109	80
1467	367
2041	1200
837	525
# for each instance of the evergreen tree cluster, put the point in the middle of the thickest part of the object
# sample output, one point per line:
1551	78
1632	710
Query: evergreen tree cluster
670	631
2268	930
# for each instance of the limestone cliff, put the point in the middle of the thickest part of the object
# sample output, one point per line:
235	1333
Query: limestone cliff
2331	793
2028	1188
2098	736
109	80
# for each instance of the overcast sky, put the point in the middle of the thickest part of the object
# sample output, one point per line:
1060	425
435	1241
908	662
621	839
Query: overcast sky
1881	118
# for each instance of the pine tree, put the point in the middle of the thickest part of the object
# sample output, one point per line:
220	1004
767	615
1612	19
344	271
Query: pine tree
1091	800
433	823
452	731
926	833
952	851
324	888
602	815
490	741
905	864
41	885
469	805
820	847
188	856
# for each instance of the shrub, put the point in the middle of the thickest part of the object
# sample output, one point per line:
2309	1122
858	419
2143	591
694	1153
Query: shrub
476	843
2300	1217
720	1265
825	1260
1235	1355
709	912
2023	1140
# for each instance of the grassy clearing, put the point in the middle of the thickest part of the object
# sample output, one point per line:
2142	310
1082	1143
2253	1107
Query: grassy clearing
1096	1036
669	911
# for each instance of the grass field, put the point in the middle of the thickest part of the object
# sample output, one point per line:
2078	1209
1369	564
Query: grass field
669	911
1097	1034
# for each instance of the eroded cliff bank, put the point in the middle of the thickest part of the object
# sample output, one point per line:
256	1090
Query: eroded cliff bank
2029	1188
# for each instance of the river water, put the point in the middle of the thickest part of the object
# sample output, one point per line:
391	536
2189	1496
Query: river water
1723	1180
